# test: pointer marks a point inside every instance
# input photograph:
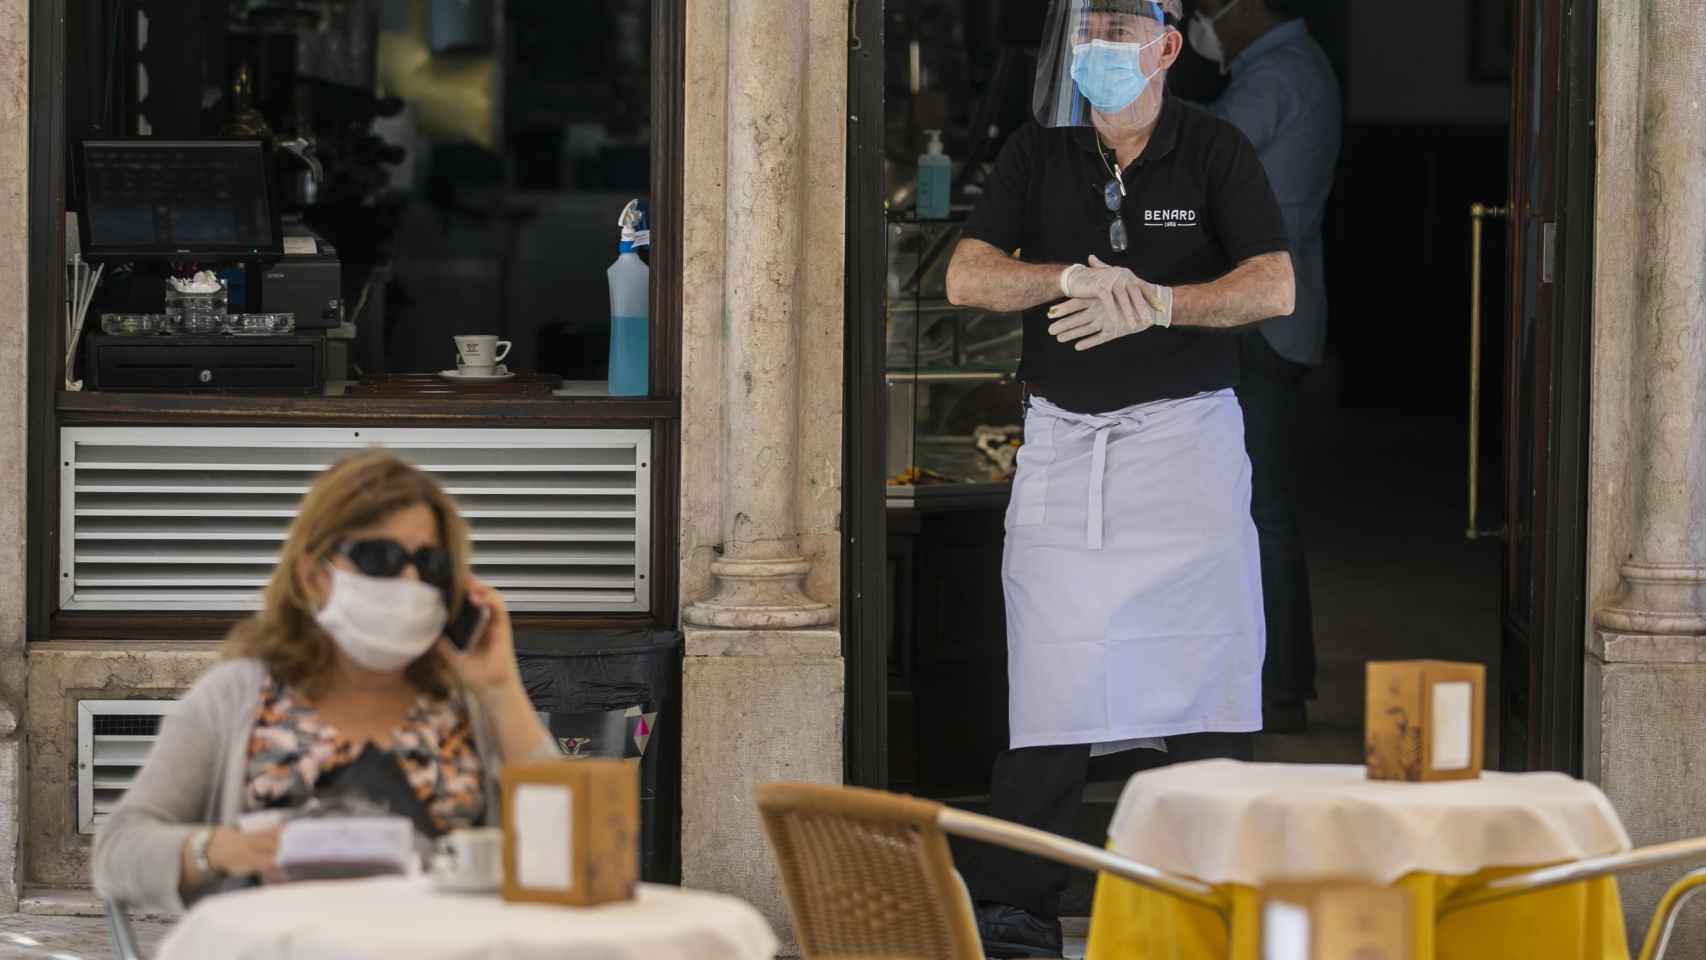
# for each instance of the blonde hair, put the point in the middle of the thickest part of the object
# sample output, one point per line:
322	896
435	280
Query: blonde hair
359	491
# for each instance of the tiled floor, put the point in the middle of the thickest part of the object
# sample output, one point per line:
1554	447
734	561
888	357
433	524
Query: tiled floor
28	937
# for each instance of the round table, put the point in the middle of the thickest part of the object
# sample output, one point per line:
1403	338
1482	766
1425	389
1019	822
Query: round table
407	919
1239	826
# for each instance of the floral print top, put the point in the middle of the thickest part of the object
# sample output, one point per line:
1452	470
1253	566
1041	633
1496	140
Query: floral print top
291	748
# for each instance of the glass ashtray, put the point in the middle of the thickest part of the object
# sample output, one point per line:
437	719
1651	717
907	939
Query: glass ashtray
203	323
198	312
137	324
260	324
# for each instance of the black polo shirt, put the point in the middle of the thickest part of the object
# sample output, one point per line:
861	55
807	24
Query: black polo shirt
1197	204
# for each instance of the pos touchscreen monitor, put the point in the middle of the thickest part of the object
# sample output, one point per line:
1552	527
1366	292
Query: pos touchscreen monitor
176	199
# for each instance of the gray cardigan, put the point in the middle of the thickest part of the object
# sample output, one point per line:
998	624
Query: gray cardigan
195	778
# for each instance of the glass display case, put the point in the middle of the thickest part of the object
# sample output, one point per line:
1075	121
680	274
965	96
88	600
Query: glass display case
954	411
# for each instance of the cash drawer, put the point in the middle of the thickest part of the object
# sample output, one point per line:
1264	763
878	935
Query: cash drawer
253	364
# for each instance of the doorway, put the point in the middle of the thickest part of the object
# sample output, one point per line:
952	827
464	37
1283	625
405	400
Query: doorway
1385	420
1384	480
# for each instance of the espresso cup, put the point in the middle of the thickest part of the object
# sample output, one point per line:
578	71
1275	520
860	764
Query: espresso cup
479	354
470	859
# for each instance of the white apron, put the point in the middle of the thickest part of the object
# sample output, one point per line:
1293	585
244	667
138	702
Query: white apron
1132	579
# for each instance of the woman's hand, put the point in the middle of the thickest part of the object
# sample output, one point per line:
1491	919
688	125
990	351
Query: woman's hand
235	853
489	669
488	666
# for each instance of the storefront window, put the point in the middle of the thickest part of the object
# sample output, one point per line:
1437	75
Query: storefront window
456	167
310	225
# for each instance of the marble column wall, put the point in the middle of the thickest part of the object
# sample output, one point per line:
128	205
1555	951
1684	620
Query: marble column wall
708	319
759	578
1646	645
14	299
1664	575
763	309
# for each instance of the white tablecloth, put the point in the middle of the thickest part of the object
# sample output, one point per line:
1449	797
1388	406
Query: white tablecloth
1222	821
406	919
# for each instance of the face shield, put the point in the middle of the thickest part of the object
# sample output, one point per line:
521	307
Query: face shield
1097	59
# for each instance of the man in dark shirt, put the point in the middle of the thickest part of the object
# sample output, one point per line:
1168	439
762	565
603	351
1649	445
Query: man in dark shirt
1136	233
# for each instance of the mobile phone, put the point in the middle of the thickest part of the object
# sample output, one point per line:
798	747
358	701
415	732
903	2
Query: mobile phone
467	625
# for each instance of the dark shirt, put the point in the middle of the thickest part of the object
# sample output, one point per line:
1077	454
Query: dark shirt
1197	204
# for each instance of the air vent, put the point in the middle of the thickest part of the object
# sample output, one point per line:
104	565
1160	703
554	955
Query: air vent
114	738
192	519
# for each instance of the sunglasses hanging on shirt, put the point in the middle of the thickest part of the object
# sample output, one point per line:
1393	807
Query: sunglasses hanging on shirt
1113	197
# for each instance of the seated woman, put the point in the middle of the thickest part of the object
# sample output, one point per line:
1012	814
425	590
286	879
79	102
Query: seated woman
346	666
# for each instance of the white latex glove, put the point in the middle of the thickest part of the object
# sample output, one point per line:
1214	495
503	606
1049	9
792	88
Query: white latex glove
1106	303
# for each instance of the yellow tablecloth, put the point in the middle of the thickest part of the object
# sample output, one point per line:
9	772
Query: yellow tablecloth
1579	922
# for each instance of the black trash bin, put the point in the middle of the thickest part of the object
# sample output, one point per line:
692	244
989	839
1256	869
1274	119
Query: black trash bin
618	695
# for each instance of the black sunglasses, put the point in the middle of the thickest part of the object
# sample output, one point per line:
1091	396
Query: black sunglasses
1113	195
387	558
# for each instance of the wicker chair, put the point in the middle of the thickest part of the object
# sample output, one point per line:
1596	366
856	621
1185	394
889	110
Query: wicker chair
1545	878
868	874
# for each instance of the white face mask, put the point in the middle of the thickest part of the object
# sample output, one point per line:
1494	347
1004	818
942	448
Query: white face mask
1205	39
382	623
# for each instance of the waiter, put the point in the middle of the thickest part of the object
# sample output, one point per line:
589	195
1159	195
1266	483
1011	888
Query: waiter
1137	234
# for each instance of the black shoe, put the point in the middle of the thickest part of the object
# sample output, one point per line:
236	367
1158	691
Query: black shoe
1010	932
1284	717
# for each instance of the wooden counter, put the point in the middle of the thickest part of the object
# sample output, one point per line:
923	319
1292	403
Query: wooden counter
409	400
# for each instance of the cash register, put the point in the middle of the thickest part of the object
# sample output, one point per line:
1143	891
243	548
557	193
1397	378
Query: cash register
152	208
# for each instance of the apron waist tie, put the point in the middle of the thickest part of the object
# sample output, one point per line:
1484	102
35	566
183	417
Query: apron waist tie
1098	474
1103	426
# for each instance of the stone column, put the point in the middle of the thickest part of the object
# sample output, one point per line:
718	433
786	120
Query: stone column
761	400
1665	576
759	579
14	311
1646	666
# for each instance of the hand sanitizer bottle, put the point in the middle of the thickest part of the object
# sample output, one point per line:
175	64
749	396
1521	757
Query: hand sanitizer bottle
630	311
935	180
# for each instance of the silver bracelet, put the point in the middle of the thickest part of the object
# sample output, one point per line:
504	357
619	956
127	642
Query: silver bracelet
199	842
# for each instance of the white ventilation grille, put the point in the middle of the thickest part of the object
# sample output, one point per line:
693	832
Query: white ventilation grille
114	738
192	519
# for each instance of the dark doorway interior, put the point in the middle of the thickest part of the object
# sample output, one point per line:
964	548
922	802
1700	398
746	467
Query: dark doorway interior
1383	492
1384	438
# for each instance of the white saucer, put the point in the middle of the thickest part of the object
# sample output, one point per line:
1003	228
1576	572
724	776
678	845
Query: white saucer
450	884
461	376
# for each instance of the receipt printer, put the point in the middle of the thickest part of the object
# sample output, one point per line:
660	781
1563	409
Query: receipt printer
307	281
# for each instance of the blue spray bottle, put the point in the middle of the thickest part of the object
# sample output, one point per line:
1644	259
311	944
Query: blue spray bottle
630	309
935	180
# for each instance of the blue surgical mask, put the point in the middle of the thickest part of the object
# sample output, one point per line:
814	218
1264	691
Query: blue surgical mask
1109	74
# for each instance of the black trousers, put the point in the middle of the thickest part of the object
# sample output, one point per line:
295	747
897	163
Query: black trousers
1043	787
1268	391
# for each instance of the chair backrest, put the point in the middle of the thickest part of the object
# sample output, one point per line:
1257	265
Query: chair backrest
1575	871
867	874
1664	918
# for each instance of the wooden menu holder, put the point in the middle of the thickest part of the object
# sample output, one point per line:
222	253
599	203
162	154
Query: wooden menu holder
1336	920
571	832
1425	719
